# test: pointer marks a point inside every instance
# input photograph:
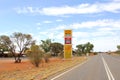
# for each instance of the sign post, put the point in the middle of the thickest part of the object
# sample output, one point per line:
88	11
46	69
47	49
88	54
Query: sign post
67	44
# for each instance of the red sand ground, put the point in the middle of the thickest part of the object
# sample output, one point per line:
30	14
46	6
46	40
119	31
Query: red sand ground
9	65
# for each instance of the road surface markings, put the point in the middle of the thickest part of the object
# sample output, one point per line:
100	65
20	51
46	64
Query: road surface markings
109	74
67	71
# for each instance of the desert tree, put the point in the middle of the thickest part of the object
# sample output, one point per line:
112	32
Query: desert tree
56	48
6	43
45	45
21	41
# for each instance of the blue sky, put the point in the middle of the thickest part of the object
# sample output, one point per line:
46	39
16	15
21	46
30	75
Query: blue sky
95	21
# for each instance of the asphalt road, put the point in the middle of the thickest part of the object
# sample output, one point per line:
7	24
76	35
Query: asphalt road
99	67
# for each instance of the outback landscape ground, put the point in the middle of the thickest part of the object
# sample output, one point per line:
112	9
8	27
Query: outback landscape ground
26	71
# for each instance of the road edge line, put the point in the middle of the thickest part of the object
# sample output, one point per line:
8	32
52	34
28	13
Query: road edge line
69	70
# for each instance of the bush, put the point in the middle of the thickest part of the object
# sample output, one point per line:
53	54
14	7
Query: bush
47	56
35	55
95	53
10	55
118	52
61	54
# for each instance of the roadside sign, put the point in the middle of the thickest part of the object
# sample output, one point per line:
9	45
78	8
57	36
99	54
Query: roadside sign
68	44
68	41
67	51
67	33
68	36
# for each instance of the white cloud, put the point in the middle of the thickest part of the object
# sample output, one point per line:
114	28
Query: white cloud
29	9
6	33
98	38
56	36
80	34
38	24
97	23
38	28
102	24
105	29
21	10
60	27
116	0
105	43
43	33
100	44
102	33
86	8
82	9
47	22
111	7
59	35
97	29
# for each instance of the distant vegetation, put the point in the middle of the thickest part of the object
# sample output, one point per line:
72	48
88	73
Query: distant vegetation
118	51
85	49
19	44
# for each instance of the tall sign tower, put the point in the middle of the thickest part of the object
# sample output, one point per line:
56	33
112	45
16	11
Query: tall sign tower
67	44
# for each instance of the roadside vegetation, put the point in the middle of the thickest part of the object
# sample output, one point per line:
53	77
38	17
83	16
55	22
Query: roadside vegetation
118	51
16	44
84	49
20	45
35	55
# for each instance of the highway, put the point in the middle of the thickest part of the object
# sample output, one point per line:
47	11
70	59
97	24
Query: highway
99	67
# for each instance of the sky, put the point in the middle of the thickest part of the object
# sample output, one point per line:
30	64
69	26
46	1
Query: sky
94	21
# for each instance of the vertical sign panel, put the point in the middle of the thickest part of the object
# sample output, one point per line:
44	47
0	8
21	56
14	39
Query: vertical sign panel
67	33
68	44
67	51
68	41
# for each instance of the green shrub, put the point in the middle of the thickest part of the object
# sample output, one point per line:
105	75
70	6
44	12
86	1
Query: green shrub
10	55
95	53
47	56
118	52
35	55
61	54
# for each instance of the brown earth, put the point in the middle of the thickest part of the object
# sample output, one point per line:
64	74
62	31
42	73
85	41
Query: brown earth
9	65
26	71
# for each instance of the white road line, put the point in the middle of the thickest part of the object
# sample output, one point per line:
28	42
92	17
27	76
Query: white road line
67	71
109	74
106	69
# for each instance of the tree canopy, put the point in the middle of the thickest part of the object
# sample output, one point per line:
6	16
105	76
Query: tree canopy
56	48
84	48
18	41
46	45
118	46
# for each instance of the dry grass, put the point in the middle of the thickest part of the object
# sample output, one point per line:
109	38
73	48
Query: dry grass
45	70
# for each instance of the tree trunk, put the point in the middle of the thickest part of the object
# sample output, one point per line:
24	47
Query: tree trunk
37	64
18	60
2	53
14	56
